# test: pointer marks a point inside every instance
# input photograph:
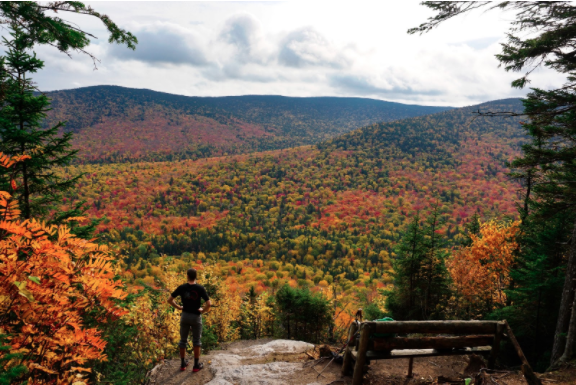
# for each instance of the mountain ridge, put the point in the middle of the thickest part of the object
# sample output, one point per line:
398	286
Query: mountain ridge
115	123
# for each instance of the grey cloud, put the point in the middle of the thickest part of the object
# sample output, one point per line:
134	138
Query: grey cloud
308	48
162	46
240	30
362	86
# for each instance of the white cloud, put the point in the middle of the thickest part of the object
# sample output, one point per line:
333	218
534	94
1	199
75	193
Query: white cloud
295	49
306	47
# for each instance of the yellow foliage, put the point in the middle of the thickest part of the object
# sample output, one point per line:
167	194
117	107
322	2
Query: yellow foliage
480	272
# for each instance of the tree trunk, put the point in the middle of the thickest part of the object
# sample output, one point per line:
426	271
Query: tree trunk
527	196
431	254
565	304
26	209
569	349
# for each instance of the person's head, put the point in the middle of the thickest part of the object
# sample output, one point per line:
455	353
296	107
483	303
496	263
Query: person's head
191	273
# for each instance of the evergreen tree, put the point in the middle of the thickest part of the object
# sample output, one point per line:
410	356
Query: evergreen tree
40	24
434	267
548	169
471	228
402	299
548	165
537	280
303	315
35	182
420	276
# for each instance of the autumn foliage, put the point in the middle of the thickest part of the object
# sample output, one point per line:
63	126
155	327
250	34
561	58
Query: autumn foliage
480	272
116	124
51	284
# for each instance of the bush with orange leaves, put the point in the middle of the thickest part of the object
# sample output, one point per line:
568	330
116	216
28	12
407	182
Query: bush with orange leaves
480	272
51	282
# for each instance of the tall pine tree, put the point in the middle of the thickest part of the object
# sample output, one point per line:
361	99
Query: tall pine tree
542	34
420	275
36	182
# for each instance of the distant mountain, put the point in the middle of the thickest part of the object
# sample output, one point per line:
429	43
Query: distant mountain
122	124
436	136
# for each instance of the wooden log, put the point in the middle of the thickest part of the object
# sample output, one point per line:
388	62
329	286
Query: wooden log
531	378
365	330
392	343
347	364
410	365
436	327
372	355
496	345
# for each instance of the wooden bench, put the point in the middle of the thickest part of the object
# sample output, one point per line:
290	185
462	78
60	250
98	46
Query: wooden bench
466	337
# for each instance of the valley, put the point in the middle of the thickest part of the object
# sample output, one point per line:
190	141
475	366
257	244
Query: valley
322	213
318	192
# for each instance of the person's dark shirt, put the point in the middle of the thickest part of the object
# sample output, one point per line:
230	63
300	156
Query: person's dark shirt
191	295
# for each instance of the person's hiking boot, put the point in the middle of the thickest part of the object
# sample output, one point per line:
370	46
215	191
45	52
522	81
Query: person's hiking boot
197	368
183	366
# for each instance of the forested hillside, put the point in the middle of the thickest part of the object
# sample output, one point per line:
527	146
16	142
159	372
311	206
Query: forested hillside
294	212
113	124
336	211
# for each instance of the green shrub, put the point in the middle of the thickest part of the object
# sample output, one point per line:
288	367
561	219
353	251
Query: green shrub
209	338
10	371
302	315
373	312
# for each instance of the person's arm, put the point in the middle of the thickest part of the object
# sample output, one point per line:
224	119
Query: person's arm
206	307
174	304
207	302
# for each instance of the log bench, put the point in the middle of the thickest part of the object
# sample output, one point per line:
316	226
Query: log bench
465	337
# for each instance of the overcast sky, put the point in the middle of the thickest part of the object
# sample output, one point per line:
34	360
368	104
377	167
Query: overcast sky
336	48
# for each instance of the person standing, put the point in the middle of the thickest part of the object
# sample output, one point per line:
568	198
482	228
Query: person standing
191	319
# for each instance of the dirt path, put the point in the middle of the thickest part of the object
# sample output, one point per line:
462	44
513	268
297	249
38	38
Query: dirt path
279	362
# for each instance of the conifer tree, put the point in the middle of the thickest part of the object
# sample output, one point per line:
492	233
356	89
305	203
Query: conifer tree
402	300
471	228
40	23
34	182
434	267
420	275
537	281
548	164
550	161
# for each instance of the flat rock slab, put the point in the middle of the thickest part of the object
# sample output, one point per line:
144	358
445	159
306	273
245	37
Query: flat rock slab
278	347
255	362
239	366
274	373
